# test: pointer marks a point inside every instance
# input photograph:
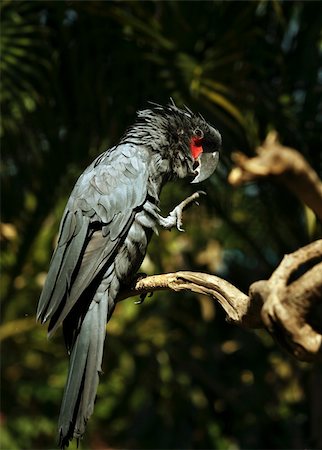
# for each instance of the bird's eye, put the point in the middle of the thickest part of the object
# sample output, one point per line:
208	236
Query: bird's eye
198	133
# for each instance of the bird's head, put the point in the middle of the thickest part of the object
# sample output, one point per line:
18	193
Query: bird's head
189	143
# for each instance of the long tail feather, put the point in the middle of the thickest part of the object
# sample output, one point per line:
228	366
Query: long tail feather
83	377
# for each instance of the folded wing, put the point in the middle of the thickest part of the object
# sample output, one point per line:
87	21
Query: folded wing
98	214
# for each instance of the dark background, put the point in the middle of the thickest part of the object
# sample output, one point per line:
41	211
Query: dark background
176	374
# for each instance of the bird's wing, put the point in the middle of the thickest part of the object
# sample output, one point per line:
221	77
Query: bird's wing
99	212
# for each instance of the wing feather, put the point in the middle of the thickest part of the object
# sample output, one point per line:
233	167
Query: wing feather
62	265
98	214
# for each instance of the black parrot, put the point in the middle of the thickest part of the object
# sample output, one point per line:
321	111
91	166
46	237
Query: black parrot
103	237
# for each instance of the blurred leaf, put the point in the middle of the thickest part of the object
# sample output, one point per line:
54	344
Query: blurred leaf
221	101
14	327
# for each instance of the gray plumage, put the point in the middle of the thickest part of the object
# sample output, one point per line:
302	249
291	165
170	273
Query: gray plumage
103	236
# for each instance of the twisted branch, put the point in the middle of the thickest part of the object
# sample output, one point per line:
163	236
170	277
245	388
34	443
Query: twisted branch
282	304
285	164
235	303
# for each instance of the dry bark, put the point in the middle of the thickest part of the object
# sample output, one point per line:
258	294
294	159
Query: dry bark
235	303
282	304
285	164
290	298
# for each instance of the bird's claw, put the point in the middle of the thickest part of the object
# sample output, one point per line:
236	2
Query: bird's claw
177	215
174	219
142	298
139	276
183	205
179	223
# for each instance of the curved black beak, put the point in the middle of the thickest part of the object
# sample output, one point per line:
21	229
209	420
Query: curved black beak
207	163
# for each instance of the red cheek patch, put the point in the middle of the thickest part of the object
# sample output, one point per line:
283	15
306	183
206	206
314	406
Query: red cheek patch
196	147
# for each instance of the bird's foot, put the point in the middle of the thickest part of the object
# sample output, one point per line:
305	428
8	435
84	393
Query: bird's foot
143	297
174	219
138	277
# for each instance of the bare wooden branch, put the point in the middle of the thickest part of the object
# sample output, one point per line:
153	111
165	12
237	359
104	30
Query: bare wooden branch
235	303
283	163
281	304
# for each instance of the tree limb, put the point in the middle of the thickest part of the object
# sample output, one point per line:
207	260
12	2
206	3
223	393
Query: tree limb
235	303
282	304
284	163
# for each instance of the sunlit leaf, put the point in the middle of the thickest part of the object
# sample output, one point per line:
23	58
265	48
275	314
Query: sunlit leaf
223	102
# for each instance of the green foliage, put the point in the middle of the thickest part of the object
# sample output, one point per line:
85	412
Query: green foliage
175	374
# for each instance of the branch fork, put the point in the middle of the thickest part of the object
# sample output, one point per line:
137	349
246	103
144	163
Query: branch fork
277	304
